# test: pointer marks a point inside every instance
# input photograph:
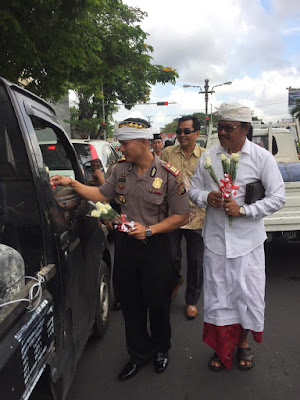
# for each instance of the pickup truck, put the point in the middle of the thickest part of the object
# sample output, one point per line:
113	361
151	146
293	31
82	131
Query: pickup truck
55	262
280	142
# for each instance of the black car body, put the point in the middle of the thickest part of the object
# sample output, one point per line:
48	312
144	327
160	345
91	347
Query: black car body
49	229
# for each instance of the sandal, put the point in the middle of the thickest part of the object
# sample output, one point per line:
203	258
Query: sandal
245	355
214	367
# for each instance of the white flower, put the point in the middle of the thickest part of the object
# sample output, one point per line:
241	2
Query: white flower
95	214
223	157
103	210
207	163
235	157
99	205
107	206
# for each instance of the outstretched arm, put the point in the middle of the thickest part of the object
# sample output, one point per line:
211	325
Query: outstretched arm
87	192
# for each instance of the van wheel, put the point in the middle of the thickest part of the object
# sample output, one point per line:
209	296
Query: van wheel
103	301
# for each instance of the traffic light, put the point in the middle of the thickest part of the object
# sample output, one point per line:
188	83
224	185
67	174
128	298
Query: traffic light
162	103
207	119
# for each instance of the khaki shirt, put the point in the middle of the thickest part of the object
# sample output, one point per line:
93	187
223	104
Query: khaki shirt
150	198
187	165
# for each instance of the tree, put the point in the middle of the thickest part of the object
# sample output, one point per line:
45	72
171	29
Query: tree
126	72
55	45
44	43
295	111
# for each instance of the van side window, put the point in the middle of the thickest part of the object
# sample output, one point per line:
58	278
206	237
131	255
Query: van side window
57	162
54	154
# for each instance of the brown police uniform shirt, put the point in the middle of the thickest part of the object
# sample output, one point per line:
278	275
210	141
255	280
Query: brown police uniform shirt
150	198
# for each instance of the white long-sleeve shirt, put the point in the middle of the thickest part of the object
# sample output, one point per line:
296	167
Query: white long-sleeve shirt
246	233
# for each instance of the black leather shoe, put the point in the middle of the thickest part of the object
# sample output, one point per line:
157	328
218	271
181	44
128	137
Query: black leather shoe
161	362
128	371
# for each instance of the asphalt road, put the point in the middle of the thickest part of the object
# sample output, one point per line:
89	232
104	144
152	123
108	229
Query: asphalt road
276	375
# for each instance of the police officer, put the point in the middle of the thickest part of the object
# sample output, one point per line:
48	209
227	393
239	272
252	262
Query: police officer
152	194
157	144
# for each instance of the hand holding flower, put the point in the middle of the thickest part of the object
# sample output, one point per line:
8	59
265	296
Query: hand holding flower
215	199
232	207
138	232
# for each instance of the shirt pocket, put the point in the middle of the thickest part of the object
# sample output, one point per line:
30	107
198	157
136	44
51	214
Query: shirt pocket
154	196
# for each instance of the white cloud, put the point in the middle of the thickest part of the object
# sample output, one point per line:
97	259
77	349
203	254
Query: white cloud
233	40
291	31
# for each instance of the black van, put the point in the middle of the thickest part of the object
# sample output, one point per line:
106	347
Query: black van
54	260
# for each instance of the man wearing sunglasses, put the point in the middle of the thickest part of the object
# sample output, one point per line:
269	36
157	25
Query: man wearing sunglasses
233	260
185	157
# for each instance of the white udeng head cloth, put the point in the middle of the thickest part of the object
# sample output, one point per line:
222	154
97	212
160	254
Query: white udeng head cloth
132	130
234	112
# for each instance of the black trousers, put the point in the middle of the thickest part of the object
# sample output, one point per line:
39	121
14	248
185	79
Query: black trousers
117	238
194	251
145	281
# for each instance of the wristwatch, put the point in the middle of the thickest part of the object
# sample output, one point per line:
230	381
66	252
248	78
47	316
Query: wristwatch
242	211
148	231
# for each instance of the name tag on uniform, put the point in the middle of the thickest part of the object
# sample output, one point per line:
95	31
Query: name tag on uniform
155	191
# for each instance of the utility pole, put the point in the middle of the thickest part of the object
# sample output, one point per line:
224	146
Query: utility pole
206	91
206	104
103	115
149	119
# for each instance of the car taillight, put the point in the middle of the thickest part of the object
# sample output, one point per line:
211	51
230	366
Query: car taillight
93	152
51	147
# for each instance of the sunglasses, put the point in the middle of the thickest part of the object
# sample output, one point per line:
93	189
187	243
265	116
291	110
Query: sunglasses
227	128
186	131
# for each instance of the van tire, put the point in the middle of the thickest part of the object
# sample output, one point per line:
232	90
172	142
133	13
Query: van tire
103	301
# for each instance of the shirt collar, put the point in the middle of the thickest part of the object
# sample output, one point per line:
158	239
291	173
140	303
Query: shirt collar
155	163
245	149
196	151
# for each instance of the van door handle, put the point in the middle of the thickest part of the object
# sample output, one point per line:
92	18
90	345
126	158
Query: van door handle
65	240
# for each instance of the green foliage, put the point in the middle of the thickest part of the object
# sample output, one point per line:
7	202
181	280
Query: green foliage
295	112
83	127
44	42
55	45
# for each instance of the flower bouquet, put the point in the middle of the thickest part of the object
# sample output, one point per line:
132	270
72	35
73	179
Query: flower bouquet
105	212
226	185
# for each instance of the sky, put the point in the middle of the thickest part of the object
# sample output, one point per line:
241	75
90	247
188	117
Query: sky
254	44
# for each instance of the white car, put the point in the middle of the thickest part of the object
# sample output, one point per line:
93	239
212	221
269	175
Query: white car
106	152
86	150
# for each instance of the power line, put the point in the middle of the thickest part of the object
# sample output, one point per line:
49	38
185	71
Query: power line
271	104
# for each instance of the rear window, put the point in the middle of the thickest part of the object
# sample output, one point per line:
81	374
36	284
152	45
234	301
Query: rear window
52	158
262	141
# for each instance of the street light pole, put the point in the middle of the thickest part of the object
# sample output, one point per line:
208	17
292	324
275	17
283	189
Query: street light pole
205	92
206	104
103	115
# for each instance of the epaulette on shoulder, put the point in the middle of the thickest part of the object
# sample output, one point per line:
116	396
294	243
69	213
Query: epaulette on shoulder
169	167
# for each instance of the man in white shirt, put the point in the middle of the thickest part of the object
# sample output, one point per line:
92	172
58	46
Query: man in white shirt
233	263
